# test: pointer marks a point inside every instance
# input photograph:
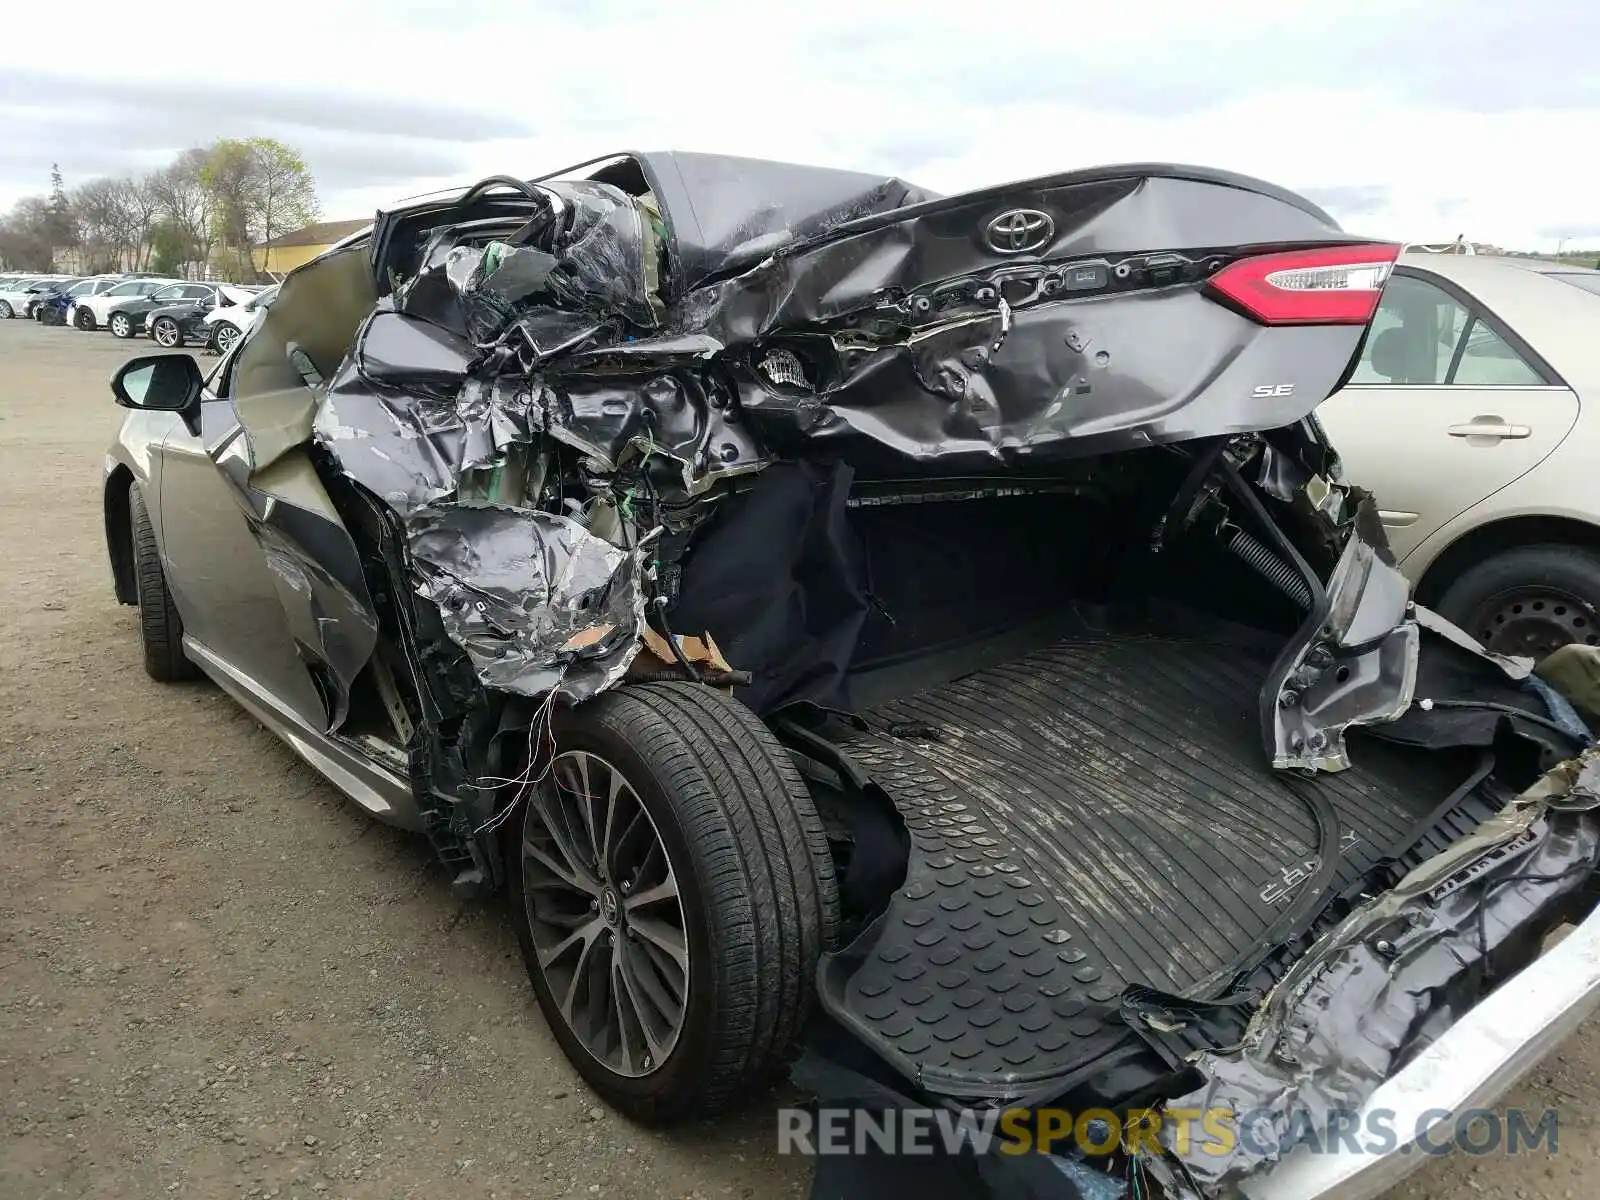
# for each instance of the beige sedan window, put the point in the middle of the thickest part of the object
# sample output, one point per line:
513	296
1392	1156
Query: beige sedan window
1422	337
1489	361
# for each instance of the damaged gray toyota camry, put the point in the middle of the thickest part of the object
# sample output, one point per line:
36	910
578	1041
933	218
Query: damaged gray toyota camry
929	635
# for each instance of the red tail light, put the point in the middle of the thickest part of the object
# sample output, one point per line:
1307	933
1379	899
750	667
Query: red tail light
1337	285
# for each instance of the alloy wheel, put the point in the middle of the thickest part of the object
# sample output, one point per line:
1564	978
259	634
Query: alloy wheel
165	333
226	336
121	326
5	310
606	916
1535	620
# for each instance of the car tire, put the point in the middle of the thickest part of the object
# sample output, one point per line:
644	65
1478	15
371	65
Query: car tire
165	332
121	325
5	310
223	335
160	626
752	884
84	320
1530	600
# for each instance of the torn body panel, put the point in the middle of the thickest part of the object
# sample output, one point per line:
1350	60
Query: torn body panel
1396	974
1359	664
641	330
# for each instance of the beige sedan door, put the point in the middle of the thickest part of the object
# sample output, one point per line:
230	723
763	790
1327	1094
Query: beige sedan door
1445	408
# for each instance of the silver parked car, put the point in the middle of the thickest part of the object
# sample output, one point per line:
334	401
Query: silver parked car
1473	415
17	297
933	623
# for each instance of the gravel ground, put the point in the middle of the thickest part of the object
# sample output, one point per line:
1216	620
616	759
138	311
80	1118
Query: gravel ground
218	979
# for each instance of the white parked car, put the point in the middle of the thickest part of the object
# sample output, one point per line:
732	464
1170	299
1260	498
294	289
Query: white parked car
90	312
14	299
94	285
226	325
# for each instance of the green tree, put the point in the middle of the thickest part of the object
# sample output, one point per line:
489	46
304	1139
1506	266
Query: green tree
226	175
237	192
286	195
171	247
260	188
61	228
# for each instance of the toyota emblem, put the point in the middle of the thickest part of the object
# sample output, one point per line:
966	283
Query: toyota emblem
1019	231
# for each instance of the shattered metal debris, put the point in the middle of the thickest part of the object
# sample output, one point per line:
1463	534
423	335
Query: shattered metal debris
1362	1001
536	600
636	361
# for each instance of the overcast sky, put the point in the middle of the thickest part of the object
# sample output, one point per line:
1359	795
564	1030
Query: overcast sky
1412	119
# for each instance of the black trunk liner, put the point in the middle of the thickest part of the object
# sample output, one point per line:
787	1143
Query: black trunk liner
1095	814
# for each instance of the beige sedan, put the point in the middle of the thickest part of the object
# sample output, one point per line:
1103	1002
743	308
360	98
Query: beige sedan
1466	418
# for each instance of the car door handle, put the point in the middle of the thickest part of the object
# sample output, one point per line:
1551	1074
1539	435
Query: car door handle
1489	427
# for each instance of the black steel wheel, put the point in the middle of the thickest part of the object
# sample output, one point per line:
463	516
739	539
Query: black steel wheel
1529	601
672	894
83	319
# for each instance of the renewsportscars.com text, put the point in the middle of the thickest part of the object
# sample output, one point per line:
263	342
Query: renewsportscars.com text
921	1131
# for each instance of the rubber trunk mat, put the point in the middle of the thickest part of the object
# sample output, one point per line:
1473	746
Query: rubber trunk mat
1095	814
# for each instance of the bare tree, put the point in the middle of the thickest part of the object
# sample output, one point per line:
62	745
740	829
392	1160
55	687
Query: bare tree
139	204
183	198
236	192
25	235
101	224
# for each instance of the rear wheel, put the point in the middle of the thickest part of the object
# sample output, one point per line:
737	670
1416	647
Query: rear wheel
160	626
672	896
121	325
1529	601
224	336
166	332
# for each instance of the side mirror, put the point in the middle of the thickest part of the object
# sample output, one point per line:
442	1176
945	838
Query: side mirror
159	383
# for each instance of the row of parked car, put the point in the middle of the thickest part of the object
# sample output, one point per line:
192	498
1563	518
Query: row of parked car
172	312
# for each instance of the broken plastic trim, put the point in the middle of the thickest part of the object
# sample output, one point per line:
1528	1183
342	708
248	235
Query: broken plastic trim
1354	661
1393	976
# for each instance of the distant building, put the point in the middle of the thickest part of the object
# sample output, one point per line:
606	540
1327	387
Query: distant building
284	253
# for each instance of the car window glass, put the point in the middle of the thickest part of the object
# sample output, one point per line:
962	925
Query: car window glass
1414	335
1489	361
195	291
175	292
131	288
81	289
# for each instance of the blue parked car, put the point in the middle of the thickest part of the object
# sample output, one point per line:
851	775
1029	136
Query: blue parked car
57	297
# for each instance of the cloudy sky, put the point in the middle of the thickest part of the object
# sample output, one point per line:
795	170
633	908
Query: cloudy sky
1413	119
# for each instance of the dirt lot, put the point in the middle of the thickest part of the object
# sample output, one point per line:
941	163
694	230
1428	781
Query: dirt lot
219	979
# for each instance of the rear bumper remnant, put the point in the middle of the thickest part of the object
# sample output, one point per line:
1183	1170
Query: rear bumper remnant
1471	1065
